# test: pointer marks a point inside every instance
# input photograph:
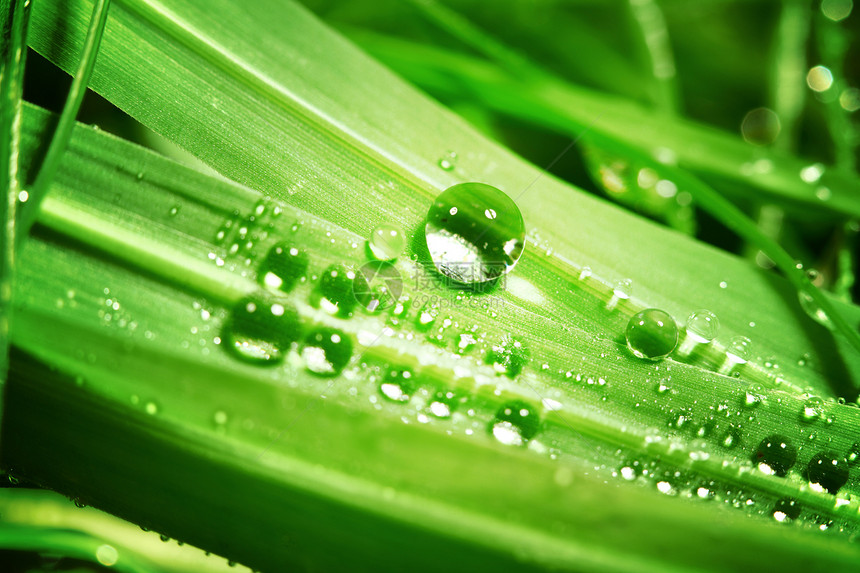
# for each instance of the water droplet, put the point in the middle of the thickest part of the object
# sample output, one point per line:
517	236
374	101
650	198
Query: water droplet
515	423
397	385
509	356
386	242
475	233
164	538
760	126
815	312
731	438
220	418
174	211
828	470
326	351
652	334
283	267
151	408
338	287
819	79
737	352
702	326
448	161
811	409
786	509
775	455
622	291
261	329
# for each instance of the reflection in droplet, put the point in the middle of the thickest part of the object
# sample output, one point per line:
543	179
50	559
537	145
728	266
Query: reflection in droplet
474	232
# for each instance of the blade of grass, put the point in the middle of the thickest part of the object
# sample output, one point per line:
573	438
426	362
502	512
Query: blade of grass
122	394
13	27
657	49
40	186
268	127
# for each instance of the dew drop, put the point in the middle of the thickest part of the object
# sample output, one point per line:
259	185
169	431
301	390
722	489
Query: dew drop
398	385
283	267
651	334
261	329
107	555
786	509
326	351
775	455
151	408
737	353
515	423
815	312
702	326
828	471
386	242
338	287
853	456
509	356
811	409
475	233
622	290
448	161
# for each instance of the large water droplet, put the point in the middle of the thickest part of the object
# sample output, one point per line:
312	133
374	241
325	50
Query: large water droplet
338	287
261	329
652	334
326	351
386	242
509	356
283	267
775	455
515	423
475	233
828	470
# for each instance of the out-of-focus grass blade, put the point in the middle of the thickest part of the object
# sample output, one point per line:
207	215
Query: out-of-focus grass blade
14	22
39	187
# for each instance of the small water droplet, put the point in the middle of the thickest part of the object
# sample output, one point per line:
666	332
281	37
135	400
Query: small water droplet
283	267
815	312
853	456
448	161
326	351
164	538
828	470
151	408
515	423
173	211
386	242
786	509
509	356
775	455
737	352
397	385
475	233
261	329
220	418
702	326
811	409
622	290
651	334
